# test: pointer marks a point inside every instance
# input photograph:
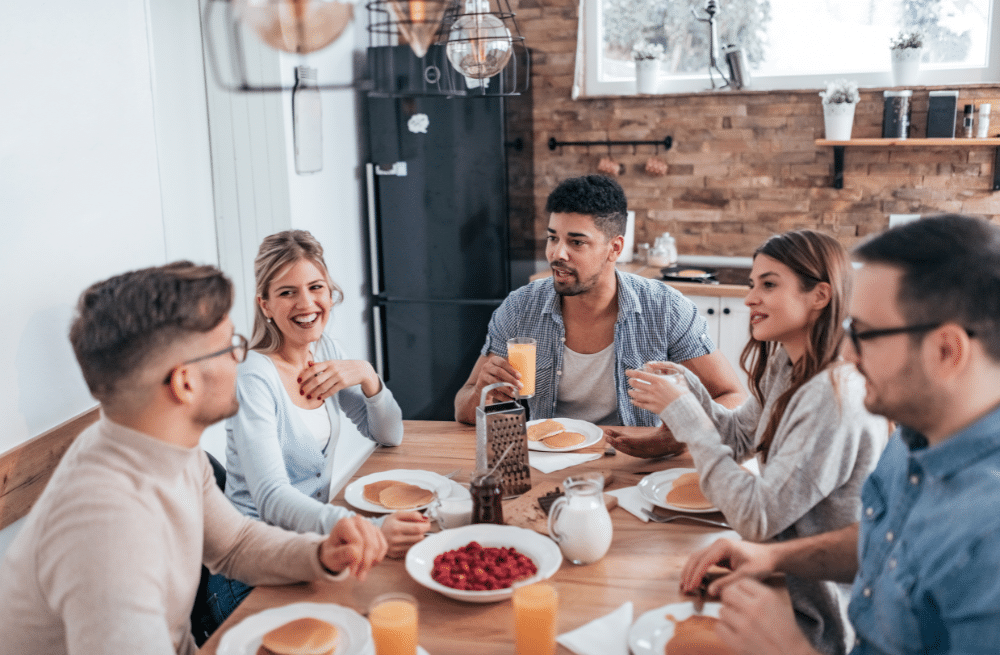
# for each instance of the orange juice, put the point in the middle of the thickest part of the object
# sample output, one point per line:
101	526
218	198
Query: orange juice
521	355
535	619
394	624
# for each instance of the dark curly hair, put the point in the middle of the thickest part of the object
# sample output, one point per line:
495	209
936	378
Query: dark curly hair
592	195
126	320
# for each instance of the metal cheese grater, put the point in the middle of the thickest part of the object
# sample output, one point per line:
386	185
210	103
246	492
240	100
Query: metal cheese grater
498	426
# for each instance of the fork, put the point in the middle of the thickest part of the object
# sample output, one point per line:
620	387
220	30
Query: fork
656	518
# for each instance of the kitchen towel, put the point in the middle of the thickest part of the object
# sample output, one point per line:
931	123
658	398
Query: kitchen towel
607	635
632	501
549	462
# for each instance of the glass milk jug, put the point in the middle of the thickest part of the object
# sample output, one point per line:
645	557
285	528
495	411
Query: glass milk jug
579	521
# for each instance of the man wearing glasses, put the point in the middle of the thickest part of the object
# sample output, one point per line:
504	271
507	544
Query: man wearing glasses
925	333
109	559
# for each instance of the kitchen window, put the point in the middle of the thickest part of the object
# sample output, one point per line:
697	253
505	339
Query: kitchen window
789	44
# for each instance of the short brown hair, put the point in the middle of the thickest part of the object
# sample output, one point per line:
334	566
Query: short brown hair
123	322
276	252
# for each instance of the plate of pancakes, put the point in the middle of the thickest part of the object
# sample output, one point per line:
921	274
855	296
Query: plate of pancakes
562	434
389	491
677	630
677	490
298	628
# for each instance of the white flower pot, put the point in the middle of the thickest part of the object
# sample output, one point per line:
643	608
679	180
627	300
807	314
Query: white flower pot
647	74
838	119
905	66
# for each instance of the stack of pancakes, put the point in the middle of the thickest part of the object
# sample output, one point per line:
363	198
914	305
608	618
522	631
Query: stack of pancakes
306	636
686	494
695	635
393	494
554	434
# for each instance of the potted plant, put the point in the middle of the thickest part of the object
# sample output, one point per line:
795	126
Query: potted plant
906	48
647	65
839	101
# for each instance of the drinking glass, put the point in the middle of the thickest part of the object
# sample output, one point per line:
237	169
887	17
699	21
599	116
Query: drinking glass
536	617
393	618
521	355
674	376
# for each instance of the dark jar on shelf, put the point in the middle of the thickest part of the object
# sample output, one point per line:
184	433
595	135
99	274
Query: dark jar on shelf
487	497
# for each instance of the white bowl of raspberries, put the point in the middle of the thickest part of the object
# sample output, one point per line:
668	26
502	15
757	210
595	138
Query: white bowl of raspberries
479	563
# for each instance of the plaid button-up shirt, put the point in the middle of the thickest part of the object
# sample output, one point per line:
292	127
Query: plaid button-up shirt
655	323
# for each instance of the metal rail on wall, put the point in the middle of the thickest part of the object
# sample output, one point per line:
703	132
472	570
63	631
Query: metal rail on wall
665	143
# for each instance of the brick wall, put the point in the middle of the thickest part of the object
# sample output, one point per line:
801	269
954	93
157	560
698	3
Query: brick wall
744	165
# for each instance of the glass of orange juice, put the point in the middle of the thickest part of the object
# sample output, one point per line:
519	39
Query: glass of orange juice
521	355
393	618
536	616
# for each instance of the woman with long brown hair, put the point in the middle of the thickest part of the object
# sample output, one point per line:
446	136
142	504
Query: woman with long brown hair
806	422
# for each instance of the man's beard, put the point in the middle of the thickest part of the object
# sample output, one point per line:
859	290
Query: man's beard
575	287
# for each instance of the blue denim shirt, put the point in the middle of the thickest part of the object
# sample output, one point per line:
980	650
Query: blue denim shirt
655	323
929	546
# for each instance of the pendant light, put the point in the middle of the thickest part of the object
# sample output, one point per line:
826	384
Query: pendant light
295	26
298	27
473	51
419	21
479	45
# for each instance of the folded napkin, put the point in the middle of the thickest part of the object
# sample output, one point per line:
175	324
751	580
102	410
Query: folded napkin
607	635
631	500
548	462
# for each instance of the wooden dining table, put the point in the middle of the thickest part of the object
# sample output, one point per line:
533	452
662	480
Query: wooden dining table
642	566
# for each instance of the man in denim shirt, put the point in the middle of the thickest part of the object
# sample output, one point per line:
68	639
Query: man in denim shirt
592	322
925	557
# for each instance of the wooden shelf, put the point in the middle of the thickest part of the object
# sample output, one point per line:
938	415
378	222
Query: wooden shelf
922	143
838	151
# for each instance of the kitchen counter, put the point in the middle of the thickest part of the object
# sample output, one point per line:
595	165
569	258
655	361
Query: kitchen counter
687	288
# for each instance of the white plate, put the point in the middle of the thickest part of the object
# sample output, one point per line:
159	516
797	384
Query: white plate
592	433
542	550
354	494
651	631
655	487
355	635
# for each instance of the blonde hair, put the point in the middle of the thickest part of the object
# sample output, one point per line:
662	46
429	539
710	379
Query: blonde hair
276	253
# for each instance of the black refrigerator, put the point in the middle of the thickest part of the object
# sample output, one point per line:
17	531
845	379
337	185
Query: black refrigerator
439	234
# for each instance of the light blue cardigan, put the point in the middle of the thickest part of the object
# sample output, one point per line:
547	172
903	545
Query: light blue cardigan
275	468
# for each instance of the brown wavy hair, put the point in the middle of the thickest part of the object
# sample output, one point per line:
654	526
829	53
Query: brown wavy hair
277	252
814	257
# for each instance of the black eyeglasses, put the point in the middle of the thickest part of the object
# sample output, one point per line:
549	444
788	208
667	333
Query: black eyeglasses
857	337
238	349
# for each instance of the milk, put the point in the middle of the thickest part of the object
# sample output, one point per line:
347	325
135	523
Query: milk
580	523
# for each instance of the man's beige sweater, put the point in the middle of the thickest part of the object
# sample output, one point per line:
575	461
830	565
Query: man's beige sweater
110	556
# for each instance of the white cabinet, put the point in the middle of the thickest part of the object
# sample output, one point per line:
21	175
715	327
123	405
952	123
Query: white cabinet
729	326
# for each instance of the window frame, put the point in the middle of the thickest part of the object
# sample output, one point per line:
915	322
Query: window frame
594	87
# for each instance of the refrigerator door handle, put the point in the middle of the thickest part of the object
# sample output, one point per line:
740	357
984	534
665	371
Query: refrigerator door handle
373	230
379	335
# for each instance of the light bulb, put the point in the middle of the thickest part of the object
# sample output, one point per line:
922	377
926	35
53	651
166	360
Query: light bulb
479	45
296	26
419	21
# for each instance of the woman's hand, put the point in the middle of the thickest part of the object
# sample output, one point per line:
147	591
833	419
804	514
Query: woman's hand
654	391
323	379
402	530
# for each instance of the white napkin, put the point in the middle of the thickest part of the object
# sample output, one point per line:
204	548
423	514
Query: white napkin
548	462
607	635
632	501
